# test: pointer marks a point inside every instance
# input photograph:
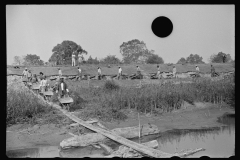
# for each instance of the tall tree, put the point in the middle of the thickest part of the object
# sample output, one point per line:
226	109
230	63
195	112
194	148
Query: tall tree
194	59
111	59
32	59
182	61
132	50
154	59
218	58
18	60
62	53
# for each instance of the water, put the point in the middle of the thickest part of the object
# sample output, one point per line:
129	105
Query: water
218	142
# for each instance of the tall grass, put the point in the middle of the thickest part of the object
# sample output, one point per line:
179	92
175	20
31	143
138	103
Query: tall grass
22	105
168	97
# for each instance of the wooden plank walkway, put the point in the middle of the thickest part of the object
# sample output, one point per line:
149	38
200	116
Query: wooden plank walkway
136	146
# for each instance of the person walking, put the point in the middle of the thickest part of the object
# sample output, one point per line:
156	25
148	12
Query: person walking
159	76
59	72
212	71
119	72
73	59
62	88
174	72
25	73
79	76
99	73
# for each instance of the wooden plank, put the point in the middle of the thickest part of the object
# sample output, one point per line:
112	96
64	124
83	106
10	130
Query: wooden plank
136	146
139	147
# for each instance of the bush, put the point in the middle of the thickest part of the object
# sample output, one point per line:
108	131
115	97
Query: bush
111	85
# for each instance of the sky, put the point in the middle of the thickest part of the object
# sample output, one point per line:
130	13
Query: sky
101	29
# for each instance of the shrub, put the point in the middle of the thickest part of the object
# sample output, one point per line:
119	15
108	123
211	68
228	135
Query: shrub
111	85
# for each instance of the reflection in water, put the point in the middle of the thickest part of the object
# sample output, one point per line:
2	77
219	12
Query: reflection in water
41	152
218	142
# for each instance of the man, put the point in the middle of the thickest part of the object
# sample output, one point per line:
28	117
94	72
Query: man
25	73
99	73
197	69
43	84
62	88
41	75
119	72
79	59
79	76
174	72
29	75
59	72
159	72
212	71
73	59
139	73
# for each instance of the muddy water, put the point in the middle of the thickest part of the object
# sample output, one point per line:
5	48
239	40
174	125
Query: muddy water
218	142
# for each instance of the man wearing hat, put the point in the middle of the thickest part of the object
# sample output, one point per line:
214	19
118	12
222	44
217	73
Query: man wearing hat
197	69
62	88
99	73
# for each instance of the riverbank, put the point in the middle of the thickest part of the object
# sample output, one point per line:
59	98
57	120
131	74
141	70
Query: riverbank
197	116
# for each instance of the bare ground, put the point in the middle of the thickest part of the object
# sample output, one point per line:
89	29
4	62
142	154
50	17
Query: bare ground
200	115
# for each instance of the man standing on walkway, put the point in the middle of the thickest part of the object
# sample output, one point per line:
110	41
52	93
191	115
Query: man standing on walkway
59	72
79	76
159	76
62	88
174	72
25	73
99	73
73	59
119	72
197	69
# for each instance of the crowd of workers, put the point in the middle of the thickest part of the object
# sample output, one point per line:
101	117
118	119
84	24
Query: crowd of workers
61	87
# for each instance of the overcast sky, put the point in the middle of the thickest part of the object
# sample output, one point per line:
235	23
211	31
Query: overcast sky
101	29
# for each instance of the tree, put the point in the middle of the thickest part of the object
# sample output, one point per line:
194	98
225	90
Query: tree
194	59
62	53
218	58
132	50
18	60
111	59
32	59
182	61
154	59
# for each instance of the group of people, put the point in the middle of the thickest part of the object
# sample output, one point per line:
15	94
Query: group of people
60	86
80	59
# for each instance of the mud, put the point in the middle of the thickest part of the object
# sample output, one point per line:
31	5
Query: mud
198	116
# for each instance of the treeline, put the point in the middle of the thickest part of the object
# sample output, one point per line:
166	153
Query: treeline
133	51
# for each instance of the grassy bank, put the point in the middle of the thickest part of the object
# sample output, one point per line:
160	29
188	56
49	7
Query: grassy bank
127	69
109	100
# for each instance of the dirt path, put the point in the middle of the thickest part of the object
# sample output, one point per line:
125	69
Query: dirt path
192	117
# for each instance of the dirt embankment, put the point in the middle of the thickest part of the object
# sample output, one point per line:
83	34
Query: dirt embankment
200	115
